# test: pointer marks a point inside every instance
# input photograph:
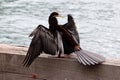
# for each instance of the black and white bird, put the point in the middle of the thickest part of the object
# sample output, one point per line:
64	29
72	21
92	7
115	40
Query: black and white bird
59	39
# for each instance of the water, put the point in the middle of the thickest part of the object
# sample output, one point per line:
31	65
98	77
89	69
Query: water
98	22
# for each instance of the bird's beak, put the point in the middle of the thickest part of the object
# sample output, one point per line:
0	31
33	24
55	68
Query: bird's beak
59	16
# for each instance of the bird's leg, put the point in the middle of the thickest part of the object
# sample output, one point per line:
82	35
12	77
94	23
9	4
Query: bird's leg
59	55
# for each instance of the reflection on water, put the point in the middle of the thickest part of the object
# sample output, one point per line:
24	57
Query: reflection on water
98	21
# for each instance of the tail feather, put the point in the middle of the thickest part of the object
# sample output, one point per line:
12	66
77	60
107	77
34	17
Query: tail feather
94	56
89	58
82	59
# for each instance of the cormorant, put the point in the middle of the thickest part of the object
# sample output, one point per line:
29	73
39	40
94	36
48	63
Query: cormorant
59	39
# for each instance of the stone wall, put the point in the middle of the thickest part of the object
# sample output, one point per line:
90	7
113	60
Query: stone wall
47	68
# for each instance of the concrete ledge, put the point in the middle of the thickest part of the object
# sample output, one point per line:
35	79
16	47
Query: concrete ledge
52	68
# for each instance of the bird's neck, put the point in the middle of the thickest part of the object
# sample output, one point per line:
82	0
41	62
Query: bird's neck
53	23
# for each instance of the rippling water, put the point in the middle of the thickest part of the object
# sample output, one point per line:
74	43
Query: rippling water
98	22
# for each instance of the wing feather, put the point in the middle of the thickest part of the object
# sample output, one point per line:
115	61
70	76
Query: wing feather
83	56
43	41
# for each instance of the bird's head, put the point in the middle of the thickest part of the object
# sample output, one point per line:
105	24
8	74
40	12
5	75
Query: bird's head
52	18
54	14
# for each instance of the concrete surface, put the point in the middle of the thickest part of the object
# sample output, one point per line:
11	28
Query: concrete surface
11	68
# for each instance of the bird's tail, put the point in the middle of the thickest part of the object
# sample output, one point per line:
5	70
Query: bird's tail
89	58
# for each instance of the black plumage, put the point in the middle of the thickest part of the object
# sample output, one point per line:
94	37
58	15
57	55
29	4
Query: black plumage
44	40
70	26
59	39
72	44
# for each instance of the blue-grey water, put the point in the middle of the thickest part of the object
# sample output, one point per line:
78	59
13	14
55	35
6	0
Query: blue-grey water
98	22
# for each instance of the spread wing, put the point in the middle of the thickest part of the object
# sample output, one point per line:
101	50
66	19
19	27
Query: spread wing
83	56
43	40
71	28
